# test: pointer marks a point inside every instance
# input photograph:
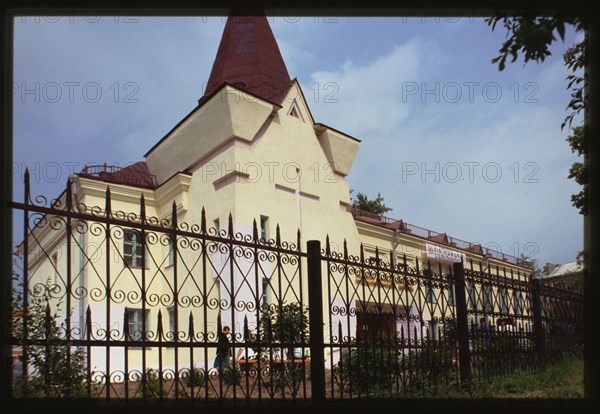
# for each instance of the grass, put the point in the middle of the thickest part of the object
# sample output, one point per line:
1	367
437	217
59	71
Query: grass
563	379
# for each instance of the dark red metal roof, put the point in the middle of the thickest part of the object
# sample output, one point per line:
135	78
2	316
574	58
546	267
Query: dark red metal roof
440	238
443	238
137	174
249	58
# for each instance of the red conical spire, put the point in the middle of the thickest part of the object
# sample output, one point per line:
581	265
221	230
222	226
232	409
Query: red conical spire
249	58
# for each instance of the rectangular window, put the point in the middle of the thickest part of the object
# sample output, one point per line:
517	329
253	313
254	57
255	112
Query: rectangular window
135	323
265	291
472	294
171	252
503	300
517	302
487	297
171	312
264	228
429	291
428	287
450	294
133	247
433	330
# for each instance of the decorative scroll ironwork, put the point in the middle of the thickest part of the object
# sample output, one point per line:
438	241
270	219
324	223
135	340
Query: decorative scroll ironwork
145	300
391	326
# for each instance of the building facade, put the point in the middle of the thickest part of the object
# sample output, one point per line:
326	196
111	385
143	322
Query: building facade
248	158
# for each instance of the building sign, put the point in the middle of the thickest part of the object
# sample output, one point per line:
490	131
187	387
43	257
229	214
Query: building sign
447	255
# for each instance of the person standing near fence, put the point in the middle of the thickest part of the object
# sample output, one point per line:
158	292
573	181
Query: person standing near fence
222	358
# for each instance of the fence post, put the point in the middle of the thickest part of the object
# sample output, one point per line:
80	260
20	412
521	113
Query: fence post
315	313
462	323
538	325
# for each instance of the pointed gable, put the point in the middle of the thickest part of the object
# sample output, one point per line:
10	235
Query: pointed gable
440	238
249	59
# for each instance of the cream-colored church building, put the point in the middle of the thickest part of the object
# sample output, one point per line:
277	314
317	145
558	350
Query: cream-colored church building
250	149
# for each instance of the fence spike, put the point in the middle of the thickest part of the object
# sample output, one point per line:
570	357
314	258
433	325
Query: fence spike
230	226
88	321
246	330
191	327
203	221
126	332
142	209
298	240
362	254
27	195
327	246
174	215
69	195
159	327
277	236
107	202
345	250
340	333
255	231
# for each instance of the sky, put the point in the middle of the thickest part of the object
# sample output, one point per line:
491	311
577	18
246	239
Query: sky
451	143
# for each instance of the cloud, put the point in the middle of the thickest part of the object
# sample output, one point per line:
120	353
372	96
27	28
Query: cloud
358	86
513	147
365	99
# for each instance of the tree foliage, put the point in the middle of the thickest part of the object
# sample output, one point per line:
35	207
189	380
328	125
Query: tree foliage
375	206
579	171
531	36
287	323
529	262
58	369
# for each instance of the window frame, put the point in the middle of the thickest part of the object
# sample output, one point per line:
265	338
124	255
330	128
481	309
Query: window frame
451	295
472	294
137	333
171	251
517	302
171	316
504	305
264	228
133	256
488	305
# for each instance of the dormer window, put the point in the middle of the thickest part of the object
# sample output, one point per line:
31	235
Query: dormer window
295	111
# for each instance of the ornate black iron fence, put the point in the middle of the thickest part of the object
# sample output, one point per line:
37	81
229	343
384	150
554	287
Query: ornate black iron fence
392	326
155	308
127	306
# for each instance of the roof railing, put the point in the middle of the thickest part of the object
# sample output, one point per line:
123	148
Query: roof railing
120	175
430	234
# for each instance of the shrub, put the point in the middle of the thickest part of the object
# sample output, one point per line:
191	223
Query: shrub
231	375
51	376
367	370
196	378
